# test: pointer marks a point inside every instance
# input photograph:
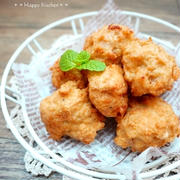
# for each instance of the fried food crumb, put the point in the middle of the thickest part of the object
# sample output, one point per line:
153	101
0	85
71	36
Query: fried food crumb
108	91
68	111
149	121
105	44
148	68
59	77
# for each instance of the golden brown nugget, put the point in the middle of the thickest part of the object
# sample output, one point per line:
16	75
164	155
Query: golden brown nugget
148	68
105	44
149	121
59	77
68	111
108	91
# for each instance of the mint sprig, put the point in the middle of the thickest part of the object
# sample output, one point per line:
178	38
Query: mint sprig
71	59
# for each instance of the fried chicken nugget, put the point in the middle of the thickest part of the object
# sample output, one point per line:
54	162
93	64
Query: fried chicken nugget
149	121
68	111
108	91
105	44
148	68
59	77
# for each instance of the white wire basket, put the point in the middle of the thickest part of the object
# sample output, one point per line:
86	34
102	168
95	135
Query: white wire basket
56	162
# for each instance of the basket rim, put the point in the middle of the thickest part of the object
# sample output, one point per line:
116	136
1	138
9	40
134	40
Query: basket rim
13	128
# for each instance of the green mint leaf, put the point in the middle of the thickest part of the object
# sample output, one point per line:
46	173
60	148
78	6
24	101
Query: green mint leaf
67	60
71	59
93	65
82	57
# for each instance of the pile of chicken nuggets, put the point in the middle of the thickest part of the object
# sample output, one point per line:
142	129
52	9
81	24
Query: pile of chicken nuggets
137	73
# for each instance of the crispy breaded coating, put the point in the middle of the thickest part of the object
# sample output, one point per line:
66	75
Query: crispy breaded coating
68	111
148	68
105	44
108	91
149	121
59	77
